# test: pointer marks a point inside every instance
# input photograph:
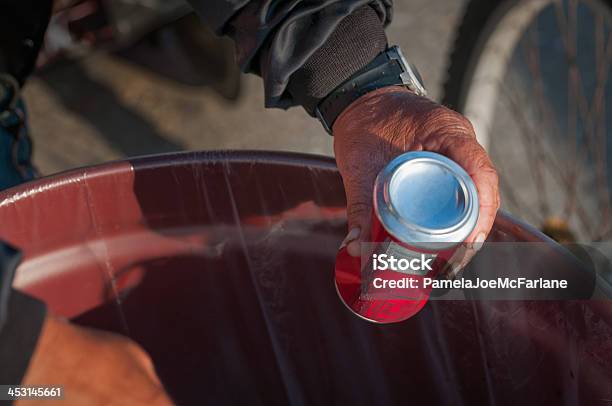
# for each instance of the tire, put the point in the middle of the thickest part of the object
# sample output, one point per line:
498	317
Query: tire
472	27
479	19
477	77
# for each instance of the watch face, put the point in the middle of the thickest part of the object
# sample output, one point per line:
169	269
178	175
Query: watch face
417	75
411	76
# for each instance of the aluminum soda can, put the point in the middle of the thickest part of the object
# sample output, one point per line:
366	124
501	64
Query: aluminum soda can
425	206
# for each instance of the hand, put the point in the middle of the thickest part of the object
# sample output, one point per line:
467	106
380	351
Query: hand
389	121
95	368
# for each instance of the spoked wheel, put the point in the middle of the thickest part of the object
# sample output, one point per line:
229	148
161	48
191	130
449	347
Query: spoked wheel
533	77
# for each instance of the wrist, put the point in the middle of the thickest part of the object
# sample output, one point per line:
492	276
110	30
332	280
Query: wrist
388	69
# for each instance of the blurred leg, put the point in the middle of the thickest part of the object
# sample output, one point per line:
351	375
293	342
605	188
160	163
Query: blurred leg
15	143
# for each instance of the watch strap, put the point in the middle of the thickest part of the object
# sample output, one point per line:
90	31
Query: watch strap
379	73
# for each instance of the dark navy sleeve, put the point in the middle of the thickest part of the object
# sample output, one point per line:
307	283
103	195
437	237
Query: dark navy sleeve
314	44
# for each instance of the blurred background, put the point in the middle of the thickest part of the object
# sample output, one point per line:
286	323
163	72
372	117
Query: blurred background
120	78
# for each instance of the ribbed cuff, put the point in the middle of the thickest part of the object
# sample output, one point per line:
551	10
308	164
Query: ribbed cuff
356	41
19	335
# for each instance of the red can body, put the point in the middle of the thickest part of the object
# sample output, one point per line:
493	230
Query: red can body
376	304
392	295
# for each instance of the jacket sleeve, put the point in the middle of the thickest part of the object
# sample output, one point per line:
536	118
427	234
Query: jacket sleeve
315	44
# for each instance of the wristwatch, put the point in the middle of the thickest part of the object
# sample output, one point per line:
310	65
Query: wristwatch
389	68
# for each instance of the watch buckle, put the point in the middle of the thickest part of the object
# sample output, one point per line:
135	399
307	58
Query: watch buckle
410	76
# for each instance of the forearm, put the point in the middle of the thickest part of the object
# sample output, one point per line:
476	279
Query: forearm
303	50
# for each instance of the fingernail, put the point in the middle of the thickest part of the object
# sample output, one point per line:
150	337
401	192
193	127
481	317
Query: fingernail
352	235
456	271
351	243
446	270
479	241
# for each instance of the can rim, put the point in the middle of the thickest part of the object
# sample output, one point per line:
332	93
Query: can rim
353	311
415	234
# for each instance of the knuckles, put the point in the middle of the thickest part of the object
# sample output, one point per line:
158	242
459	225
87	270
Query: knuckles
442	120
390	121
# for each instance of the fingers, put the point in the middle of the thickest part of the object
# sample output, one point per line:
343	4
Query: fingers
472	157
90	362
386	123
358	176
138	362
361	165
162	399
157	397
488	196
